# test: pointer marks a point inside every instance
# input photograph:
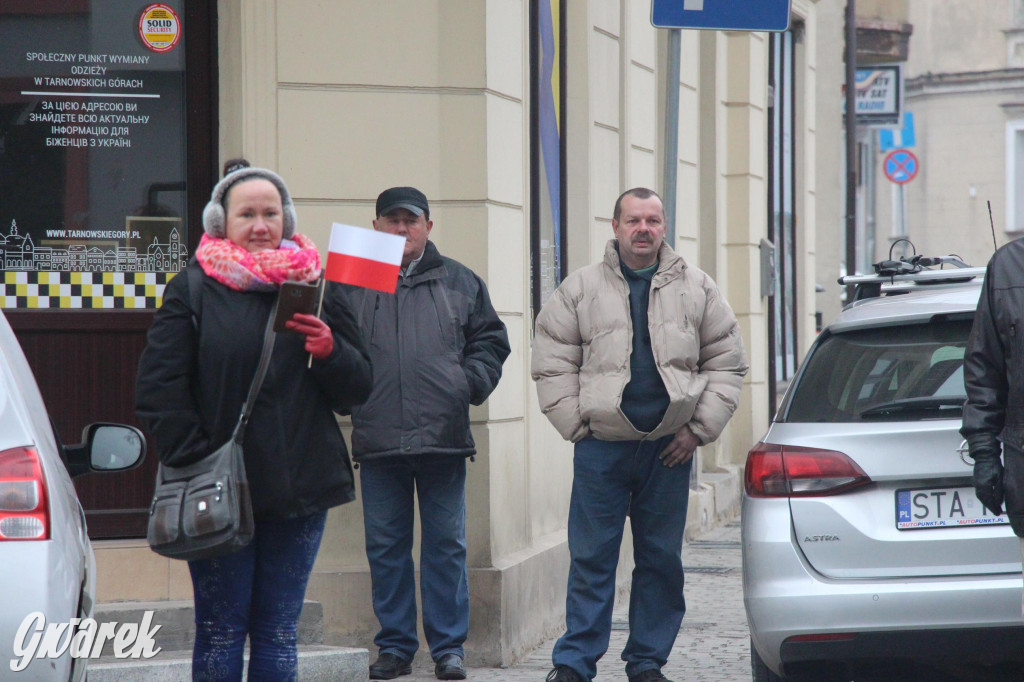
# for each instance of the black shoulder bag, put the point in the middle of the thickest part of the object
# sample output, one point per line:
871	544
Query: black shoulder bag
203	510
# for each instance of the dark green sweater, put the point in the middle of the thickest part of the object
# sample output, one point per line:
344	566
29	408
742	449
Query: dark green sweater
644	399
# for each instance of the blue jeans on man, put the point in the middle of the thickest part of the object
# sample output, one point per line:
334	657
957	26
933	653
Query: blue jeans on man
613	480
439	484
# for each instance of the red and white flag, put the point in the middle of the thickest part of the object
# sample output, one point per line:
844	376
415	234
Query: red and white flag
365	258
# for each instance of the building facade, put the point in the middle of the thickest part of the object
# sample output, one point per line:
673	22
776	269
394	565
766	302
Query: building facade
347	98
965	87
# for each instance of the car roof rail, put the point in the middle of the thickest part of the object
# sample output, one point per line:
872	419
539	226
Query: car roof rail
903	275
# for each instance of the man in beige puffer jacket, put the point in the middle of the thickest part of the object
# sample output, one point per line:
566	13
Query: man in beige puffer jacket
638	360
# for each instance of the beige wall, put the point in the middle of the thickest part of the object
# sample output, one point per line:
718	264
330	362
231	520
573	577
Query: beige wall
953	36
963	92
347	98
880	10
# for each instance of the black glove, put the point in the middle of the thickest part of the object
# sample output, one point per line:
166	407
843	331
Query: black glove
988	481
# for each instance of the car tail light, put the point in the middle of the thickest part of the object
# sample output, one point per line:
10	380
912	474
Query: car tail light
24	511
790	471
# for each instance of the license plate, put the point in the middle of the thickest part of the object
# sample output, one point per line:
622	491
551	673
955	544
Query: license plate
924	508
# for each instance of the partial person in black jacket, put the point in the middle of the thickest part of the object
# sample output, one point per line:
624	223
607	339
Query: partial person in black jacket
437	346
993	420
201	354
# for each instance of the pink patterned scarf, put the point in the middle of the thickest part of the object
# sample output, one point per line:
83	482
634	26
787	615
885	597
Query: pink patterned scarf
297	260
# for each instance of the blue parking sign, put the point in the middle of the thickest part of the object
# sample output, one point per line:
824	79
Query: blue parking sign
900	138
722	15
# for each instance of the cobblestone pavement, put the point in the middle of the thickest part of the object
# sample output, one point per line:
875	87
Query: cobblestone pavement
713	644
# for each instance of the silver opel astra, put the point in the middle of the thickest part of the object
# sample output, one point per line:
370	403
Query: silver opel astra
47	569
866	555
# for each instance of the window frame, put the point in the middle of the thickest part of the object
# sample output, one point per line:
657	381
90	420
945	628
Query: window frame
1014	175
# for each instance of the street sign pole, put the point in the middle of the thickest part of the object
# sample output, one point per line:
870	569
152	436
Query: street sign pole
719	15
671	157
851	144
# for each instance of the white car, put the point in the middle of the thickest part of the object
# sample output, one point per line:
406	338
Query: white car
866	554
46	561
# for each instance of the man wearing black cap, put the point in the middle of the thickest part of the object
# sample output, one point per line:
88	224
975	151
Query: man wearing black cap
437	346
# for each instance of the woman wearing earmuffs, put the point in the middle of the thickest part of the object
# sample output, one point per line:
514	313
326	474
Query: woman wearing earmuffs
193	379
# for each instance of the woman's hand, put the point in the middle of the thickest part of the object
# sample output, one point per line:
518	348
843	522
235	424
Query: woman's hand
319	340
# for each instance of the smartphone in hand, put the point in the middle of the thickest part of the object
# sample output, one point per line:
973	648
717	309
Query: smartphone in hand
295	297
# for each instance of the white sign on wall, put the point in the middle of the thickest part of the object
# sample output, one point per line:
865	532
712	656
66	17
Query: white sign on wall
879	95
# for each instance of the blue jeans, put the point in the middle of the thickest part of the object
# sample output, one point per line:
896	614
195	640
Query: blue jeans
613	479
257	591
387	491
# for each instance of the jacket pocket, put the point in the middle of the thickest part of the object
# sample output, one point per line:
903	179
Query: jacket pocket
442	397
677	345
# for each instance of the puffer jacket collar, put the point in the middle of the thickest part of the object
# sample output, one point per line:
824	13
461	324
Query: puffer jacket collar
670	263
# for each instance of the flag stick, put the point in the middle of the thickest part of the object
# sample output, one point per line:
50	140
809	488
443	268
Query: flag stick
319	308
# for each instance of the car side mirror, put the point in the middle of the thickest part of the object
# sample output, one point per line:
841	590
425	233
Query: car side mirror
106	447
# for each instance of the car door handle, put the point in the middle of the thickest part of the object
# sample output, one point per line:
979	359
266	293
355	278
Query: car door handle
963	450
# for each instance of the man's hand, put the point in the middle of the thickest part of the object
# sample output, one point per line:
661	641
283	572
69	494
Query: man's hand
680	449
319	341
988	481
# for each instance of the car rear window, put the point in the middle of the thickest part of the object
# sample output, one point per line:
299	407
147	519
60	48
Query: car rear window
902	373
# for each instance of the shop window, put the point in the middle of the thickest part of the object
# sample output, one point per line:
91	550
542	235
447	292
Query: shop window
108	130
782	304
547	150
92	153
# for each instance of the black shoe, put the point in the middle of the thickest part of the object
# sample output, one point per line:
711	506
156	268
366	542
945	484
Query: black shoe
563	673
449	667
389	666
649	675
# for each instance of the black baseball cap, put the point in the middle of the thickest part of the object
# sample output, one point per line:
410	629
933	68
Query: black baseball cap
408	198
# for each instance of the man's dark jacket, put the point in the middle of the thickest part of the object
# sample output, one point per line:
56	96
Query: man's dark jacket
195	373
994	374
437	345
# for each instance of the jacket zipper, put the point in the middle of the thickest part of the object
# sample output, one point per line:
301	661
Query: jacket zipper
373	321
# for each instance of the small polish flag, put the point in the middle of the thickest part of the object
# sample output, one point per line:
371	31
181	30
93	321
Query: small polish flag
365	258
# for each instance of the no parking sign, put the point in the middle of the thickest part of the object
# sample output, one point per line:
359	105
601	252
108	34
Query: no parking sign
900	166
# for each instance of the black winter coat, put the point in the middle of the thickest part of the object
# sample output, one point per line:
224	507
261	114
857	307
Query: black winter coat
994	374
437	345
191	387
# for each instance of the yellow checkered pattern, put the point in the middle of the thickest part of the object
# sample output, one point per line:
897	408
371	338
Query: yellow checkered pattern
83	290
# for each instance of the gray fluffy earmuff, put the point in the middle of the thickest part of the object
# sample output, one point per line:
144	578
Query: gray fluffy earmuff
213	215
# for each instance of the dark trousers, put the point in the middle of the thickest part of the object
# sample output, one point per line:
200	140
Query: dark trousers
388	487
256	592
613	479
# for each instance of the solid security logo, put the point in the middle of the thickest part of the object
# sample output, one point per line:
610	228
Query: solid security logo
82	638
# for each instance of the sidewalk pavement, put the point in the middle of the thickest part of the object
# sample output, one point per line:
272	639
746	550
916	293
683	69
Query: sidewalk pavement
713	644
